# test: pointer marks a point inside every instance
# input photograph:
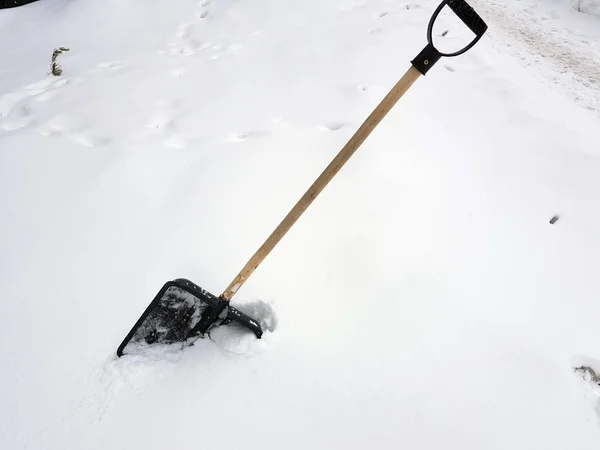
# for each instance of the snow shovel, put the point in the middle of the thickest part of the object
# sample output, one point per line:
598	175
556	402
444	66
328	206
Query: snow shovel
182	312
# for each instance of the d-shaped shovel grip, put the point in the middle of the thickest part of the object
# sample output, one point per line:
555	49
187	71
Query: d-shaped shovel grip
430	55
421	64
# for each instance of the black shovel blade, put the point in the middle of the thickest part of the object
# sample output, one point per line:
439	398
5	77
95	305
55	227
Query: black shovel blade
180	313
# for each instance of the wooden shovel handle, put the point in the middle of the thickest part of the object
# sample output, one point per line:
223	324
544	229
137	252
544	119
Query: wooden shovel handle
332	169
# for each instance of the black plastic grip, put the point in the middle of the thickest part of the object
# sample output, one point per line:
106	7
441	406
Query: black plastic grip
430	55
468	16
426	59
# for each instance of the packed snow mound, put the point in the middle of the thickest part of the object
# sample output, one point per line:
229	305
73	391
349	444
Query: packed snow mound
423	301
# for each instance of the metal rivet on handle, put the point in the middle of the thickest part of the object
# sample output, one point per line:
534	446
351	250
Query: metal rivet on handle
426	62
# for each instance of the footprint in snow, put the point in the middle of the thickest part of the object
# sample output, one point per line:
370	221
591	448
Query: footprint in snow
10	100
177	72
19	118
164	124
176	142
73	129
355	4
184	31
183	43
245	135
60	124
89	141
334	126
184	50
16	107
15	123
188	47
84	139
42	86
110	65
161	121
45	96
107	67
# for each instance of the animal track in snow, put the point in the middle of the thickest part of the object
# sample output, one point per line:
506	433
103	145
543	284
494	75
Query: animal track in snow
89	140
184	43
59	125
15	123
245	135
75	130
110	65
353	5
334	126
45	96
177	72
184	31
162	120
164	124
9	101
107	67
16	107
82	138
176	141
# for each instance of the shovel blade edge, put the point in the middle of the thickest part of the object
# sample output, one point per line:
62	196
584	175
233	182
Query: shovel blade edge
171	317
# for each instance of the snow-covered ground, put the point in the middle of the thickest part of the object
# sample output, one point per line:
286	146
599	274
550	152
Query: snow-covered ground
423	301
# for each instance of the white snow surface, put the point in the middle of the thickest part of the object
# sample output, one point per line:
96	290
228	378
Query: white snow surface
423	301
